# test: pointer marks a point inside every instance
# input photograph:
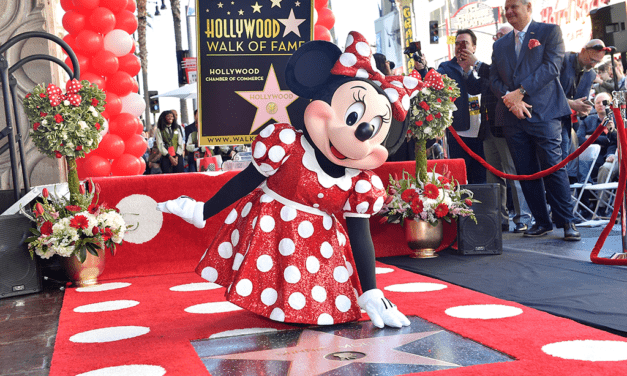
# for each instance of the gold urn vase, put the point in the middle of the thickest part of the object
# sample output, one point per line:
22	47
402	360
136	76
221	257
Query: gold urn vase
86	273
423	238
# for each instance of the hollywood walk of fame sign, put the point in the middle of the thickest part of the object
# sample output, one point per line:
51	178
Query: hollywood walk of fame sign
243	48
348	349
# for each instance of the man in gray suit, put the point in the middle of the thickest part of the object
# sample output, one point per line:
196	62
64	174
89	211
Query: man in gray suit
525	76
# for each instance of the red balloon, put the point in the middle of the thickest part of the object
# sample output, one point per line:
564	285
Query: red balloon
71	41
142	167
140	129
123	125
111	146
94	79
130	64
126	165
131	6
113	107
89	42
74	22
326	18
126	21
67	5
102	20
114	5
83	62
322	33
135	88
135	146
121	83
321	4
96	165
86	4
105	63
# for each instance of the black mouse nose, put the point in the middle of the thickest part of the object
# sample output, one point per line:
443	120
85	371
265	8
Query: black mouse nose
364	131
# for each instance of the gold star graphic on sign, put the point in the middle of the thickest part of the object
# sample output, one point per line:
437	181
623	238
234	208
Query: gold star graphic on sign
291	23
220	5
241	12
256	7
271	102
276	3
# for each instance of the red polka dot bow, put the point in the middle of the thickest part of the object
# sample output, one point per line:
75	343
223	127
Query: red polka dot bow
433	79
55	94
357	61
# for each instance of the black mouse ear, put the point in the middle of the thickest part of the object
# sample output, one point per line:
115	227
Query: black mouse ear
396	135
309	68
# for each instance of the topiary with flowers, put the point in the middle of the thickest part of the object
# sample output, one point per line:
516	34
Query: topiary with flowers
66	125
428	197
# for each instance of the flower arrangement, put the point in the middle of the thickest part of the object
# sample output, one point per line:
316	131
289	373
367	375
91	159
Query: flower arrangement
69	229
66	125
439	198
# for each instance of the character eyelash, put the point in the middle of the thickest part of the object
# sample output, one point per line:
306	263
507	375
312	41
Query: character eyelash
357	98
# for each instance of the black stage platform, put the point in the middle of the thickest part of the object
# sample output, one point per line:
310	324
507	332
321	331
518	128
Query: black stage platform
548	274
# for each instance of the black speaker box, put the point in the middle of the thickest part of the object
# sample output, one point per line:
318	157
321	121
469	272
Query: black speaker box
485	236
608	24
19	274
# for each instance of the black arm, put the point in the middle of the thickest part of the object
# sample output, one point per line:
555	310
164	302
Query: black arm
236	188
363	251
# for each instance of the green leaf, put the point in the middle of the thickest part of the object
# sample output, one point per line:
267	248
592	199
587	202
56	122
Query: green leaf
82	254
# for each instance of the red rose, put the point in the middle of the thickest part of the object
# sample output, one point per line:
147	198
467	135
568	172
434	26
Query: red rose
27	96
80	221
95	230
431	191
94	102
45	192
97	126
424	105
441	210
450	88
107	234
468	202
43	114
42	95
46	228
58	118
419	123
35	126
58	154
79	147
429	118
439	100
438	115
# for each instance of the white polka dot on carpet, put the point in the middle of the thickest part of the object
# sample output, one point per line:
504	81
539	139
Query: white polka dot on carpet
201	286
589	350
113	305
416	287
111	334
214	307
127	370
380	270
104	287
483	311
242	332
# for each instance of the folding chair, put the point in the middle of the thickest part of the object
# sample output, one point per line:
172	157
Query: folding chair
604	193
587	158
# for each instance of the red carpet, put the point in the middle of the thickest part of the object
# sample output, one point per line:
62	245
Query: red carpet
151	329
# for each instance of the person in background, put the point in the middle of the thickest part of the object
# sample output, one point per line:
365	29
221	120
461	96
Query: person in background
525	78
170	142
383	64
190	148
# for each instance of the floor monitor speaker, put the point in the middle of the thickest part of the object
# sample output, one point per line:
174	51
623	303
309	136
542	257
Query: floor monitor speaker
608	24
485	236
19	274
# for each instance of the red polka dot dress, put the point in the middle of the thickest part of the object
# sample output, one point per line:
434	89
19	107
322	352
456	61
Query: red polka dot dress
281	252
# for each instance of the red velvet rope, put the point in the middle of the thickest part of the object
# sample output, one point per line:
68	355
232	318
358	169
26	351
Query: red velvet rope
622	133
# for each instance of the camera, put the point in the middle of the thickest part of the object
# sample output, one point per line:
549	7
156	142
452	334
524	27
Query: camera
413	51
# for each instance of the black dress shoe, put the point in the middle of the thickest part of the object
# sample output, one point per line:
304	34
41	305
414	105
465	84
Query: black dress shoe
537	230
571	233
520	227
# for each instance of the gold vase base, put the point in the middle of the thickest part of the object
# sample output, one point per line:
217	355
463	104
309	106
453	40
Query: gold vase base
424	253
85	283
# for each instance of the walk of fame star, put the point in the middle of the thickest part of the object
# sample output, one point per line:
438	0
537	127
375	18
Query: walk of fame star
291	24
271	102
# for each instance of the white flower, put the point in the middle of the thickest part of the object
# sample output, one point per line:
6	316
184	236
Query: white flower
428	130
44	122
82	124
66	102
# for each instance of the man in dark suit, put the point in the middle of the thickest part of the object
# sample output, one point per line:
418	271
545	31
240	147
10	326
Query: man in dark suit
525	75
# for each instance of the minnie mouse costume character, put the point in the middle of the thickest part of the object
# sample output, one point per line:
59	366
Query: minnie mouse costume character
281	252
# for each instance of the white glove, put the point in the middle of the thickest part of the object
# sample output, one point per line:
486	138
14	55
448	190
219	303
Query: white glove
381	310
186	208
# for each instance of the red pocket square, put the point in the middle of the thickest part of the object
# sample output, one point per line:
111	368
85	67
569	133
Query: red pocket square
533	43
